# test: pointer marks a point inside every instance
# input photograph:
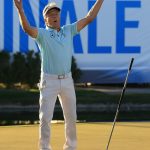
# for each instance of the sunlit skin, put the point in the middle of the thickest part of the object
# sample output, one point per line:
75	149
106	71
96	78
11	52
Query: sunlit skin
52	19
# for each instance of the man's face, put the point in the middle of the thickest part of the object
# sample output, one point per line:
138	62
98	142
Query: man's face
52	19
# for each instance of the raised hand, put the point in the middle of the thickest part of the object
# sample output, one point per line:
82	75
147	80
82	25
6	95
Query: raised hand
18	4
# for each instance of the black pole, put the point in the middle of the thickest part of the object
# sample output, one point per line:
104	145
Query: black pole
120	101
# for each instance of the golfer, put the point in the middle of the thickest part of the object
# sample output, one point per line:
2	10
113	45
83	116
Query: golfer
56	45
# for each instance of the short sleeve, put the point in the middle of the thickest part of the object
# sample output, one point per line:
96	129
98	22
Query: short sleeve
73	28
39	37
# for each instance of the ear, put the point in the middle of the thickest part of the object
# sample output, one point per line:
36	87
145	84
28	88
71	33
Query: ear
45	20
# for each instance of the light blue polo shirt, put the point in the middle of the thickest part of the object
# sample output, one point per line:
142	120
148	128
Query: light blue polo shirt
56	49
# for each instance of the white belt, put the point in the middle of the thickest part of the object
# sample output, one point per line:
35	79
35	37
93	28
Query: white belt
53	76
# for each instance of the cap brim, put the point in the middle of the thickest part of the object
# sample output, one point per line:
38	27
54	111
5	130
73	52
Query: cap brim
55	8
51	9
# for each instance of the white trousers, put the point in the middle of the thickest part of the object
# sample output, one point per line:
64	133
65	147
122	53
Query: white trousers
51	87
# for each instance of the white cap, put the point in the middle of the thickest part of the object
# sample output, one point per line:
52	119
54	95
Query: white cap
50	6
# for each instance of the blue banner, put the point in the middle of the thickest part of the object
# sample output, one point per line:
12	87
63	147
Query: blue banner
103	49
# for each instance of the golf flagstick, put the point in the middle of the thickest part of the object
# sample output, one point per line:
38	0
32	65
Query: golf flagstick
120	101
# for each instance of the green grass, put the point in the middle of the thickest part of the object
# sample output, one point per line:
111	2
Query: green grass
88	97
91	136
31	97
21	97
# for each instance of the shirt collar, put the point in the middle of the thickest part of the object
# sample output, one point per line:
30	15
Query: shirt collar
48	28
51	29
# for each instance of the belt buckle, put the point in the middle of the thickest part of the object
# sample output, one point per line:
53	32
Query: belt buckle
61	76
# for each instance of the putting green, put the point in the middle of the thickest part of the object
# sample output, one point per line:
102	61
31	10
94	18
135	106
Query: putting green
91	136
